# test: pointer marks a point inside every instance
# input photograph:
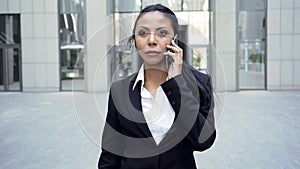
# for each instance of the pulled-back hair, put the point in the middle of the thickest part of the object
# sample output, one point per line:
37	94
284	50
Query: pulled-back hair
164	10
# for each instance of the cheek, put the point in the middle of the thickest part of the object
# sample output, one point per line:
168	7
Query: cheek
140	44
165	43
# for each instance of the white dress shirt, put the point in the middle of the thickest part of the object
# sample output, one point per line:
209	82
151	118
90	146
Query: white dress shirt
158	112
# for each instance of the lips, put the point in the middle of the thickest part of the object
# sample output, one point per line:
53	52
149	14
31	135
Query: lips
152	53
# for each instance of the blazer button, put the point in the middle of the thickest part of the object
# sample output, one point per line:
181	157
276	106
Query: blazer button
173	102
169	93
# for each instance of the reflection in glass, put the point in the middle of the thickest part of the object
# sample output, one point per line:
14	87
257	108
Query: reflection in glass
199	38
172	4
200	57
123	6
252	48
194	33
72	39
10	55
10	79
196	5
127	6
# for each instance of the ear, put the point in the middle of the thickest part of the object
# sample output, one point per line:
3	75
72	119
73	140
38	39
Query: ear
130	41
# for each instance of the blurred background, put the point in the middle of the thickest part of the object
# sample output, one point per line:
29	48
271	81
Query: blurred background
59	57
63	45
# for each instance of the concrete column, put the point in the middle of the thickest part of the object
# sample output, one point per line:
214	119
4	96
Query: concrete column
97	64
40	54
224	62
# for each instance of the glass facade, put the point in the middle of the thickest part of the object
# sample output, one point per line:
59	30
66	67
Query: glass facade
196	5
252	44
256	43
194	33
174	5
72	38
10	53
121	6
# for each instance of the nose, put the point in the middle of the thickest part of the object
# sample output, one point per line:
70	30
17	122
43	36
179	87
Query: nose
152	40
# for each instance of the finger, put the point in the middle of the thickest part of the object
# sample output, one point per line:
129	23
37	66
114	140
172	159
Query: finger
176	55
171	54
177	58
175	49
174	44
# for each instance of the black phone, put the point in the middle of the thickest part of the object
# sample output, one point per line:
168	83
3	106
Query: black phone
169	59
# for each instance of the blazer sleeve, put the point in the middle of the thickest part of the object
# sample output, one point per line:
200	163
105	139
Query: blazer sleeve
110	141
195	113
203	133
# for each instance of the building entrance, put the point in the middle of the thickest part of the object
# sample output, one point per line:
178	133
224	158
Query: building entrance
10	68
10	53
252	44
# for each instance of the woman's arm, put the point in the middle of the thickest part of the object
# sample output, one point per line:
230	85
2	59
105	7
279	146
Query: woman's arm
191	97
203	133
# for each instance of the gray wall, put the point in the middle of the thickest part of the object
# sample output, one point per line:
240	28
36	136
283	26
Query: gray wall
283	39
39	33
224	62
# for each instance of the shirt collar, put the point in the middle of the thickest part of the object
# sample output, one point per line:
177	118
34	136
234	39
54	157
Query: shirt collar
140	77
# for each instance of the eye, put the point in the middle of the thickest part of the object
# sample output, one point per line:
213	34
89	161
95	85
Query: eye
162	33
143	33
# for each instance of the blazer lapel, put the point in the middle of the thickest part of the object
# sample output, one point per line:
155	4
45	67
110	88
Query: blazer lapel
137	114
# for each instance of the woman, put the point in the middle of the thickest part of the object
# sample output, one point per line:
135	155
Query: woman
160	115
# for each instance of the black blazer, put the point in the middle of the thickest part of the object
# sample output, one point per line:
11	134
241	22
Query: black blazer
127	142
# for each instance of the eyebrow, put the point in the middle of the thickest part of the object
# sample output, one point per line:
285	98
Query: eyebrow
144	27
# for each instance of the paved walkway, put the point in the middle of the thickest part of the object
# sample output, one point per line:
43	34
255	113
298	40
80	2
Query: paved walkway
257	130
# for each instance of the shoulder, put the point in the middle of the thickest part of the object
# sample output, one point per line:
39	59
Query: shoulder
200	77
203	80
198	74
123	82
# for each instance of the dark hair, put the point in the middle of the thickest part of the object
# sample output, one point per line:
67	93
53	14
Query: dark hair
164	10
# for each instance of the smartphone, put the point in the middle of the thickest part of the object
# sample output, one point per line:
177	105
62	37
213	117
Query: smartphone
169	59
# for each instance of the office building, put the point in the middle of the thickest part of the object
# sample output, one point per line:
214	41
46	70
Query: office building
80	45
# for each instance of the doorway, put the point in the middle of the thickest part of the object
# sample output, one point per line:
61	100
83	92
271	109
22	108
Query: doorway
71	42
10	53
252	45
10	69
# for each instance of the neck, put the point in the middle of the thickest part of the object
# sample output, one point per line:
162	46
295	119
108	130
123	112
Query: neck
154	77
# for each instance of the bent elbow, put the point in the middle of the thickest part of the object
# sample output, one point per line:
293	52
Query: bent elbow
207	143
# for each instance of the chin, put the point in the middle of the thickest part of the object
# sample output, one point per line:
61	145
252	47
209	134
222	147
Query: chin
154	61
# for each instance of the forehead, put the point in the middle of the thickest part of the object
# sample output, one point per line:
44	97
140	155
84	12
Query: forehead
153	20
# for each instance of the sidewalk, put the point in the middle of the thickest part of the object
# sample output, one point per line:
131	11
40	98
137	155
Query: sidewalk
258	129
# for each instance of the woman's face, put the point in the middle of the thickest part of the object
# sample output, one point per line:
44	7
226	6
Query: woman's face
153	33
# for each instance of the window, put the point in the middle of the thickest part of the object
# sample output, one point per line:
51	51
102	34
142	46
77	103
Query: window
252	44
72	37
10	53
129	6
